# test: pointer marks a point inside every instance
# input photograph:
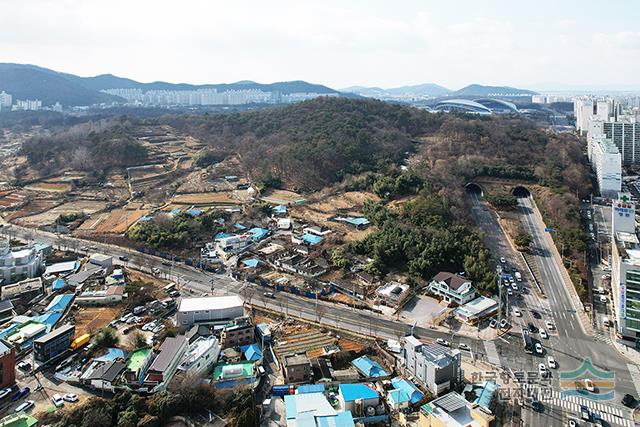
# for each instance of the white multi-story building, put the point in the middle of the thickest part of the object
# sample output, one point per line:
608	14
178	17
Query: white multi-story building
28	105
209	310
587	108
18	264
200	356
607	164
5	101
625	134
437	367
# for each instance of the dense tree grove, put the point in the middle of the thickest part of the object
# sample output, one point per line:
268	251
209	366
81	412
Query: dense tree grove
170	231
92	146
314	143
423	238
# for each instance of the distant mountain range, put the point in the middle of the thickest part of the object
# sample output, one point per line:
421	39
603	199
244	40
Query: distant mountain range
435	91
32	82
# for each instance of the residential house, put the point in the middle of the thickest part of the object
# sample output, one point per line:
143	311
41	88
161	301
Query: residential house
351	393
299	264
452	288
238	333
137	365
165	364
369	368
392	293
200	356
437	367
106	375
297	368
453	410
7	364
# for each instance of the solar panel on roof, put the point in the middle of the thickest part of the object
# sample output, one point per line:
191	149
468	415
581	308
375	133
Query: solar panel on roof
450	402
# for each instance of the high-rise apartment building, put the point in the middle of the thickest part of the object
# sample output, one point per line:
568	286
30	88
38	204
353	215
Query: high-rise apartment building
607	164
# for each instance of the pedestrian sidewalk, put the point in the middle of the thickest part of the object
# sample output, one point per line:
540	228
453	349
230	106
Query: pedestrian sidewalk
627	349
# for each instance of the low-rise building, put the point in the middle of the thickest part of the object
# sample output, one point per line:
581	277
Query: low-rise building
53	344
7	365
368	367
165	364
476	310
6	311
299	264
392	293
438	368
106	375
137	365
297	368
237	333
452	288
453	410
209	310
230	375
403	394
352	393
103	261
200	356
24	290
109	295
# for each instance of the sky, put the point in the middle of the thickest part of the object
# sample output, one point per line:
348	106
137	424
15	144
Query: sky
535	44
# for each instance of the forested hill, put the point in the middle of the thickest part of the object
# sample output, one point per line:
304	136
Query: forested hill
309	145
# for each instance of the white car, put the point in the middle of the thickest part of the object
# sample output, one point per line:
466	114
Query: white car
588	384
24	406
503	323
57	400
514	287
552	362
550	325
510	292
5	392
503	260
542	370
543	334
70	397
517	312
463	346
443	342
539	348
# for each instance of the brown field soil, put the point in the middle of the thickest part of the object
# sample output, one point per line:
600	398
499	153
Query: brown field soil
117	221
511	223
45	218
90	319
10	199
204	198
283	197
54	187
34	206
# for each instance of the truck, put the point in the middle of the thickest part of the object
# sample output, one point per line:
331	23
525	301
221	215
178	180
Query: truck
80	341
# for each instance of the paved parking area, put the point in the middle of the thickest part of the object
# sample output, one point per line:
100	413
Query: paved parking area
423	309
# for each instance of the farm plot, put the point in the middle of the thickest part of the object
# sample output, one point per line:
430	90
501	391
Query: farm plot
116	221
283	197
90	319
203	199
48	217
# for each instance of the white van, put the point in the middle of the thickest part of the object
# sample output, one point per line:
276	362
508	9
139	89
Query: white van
605	322
518	276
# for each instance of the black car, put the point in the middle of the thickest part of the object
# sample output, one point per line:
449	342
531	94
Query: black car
532	328
629	401
123	258
536	315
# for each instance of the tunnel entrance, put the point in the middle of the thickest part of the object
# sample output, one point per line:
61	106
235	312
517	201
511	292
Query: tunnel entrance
473	188
520	192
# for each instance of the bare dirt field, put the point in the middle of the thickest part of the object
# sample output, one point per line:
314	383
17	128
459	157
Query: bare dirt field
10	199
89	207
33	207
90	319
283	197
204	199
116	221
52	187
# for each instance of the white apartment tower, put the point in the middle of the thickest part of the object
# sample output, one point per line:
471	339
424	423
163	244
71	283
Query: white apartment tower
607	164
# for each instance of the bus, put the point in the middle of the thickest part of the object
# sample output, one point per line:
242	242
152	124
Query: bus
170	287
528	342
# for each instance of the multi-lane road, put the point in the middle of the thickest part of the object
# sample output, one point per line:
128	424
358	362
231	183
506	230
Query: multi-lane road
569	344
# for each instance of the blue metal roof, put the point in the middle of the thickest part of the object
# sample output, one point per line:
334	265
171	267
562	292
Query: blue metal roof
280	209
58	284
486	395
358	221
240	226
258	233
341	419
251	262
222	235
408	390
311	388
60	303
369	368
112	354
251	352
351	392
311	239
195	212
175	211
50	319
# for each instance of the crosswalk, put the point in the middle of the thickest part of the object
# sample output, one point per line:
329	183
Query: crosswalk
492	353
600	337
608	413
